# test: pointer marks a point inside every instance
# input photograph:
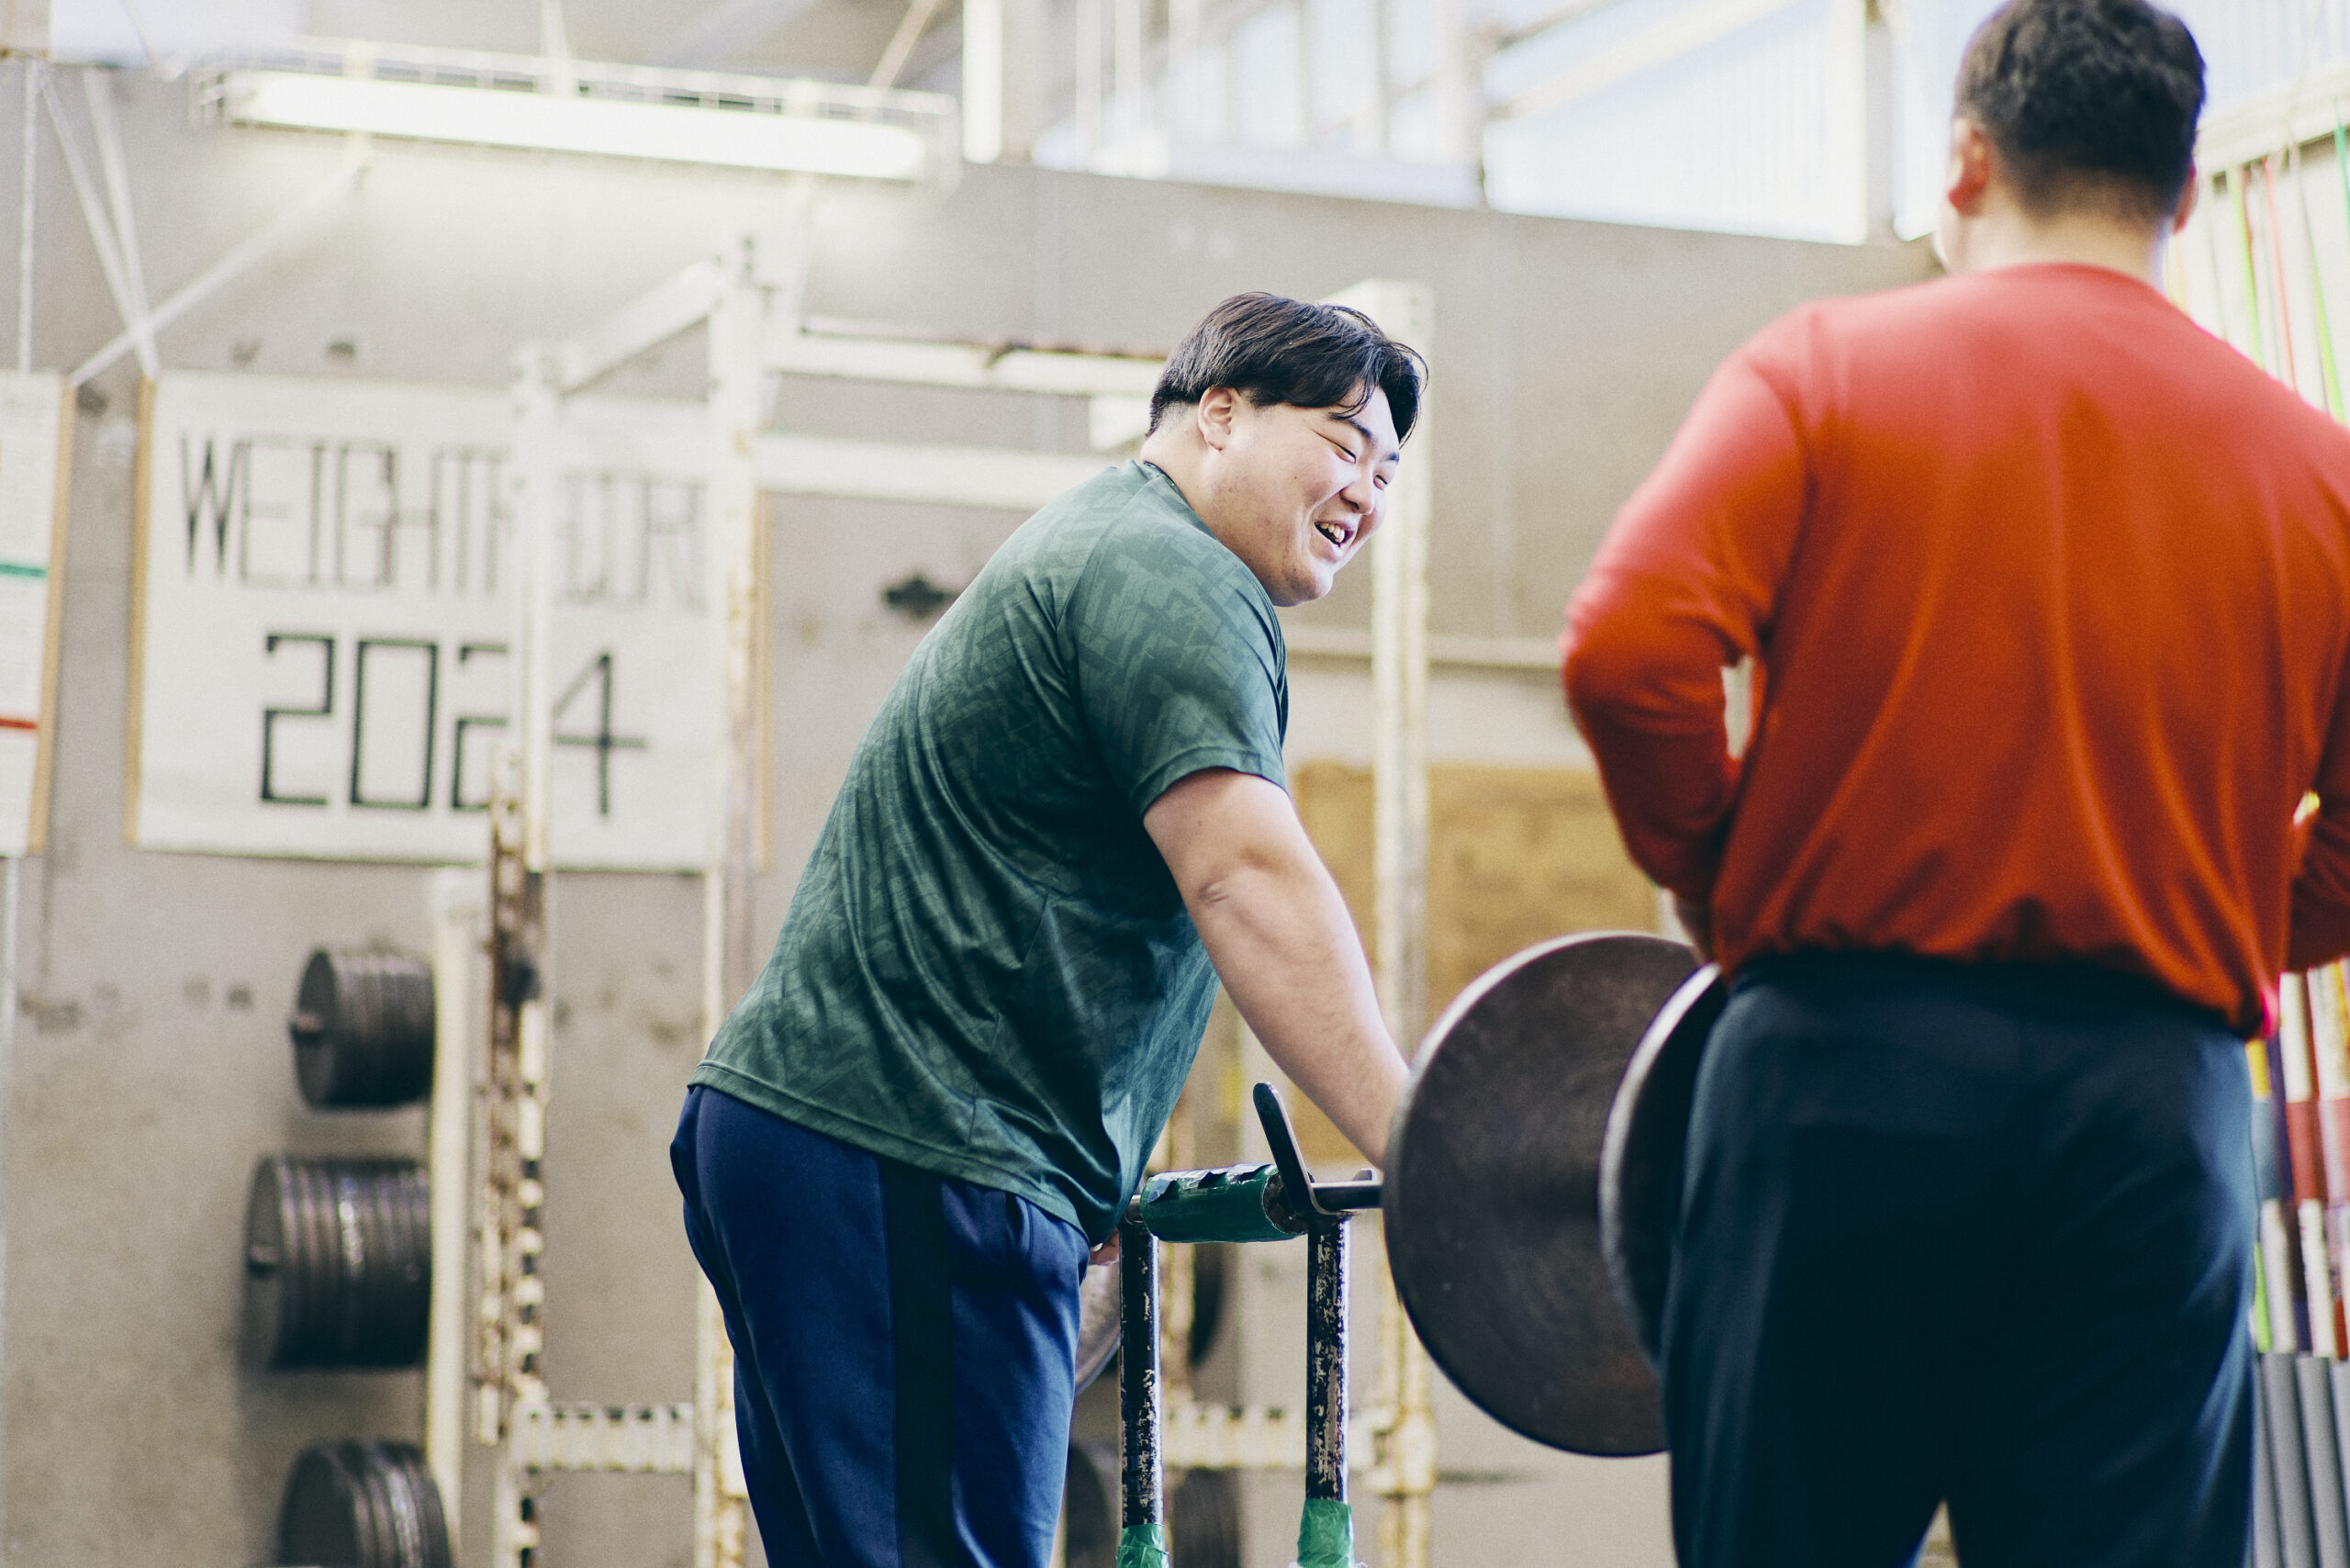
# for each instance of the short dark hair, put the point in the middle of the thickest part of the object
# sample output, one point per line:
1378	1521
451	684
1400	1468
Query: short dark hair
1271	350
2089	102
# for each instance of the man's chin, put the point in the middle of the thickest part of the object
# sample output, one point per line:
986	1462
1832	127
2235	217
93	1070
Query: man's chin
1307	587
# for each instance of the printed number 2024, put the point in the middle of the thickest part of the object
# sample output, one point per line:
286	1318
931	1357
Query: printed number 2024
413	720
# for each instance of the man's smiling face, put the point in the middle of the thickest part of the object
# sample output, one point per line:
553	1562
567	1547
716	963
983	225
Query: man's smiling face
1302	488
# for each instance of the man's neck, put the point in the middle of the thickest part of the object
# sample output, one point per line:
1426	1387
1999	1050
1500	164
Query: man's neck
1178	460
2012	238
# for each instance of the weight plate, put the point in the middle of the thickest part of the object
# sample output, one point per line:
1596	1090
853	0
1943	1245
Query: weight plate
362	1029
408	1268
325	1520
403	1512
349	1244
379	1290
337	1263
1204	1520
268	1300
432	1521
1097	1321
310	1275
1209	1263
353	1504
1640	1164
1090	1506
1492	1199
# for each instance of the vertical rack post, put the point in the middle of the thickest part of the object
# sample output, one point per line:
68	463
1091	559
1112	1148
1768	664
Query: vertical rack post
1325	1534
457	911
1176	1269
738	320
511	1189
1142	1490
1399	769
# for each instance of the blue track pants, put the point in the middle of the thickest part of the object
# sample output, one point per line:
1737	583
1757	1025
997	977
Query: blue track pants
1980	1233
903	1345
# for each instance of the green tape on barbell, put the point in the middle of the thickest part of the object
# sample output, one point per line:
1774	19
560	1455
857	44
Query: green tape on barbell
1142	1546
1212	1205
1326	1535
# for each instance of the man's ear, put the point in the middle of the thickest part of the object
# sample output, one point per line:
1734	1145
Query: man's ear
1215	415
2187	200
1971	158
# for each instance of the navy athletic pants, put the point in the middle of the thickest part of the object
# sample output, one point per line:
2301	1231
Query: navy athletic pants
903	1345
1980	1233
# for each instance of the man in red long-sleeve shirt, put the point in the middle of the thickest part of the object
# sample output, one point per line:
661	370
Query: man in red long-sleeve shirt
2048	594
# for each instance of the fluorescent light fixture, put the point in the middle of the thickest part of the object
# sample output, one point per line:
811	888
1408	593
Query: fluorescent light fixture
682	133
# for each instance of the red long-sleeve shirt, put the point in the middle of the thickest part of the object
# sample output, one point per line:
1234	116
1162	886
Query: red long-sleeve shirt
2049	593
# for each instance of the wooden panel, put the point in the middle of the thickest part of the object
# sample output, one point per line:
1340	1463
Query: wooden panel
1516	856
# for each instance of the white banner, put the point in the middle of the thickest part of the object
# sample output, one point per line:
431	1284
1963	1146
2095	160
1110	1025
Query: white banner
328	591
33	432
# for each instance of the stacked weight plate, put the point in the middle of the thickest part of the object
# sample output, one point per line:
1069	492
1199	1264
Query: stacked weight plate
1202	1513
1204	1520
361	1506
363	1029
338	1263
1097	1311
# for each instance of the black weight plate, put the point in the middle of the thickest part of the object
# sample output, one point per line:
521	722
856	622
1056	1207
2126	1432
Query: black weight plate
1492	1201
1097	1321
383	1491
312	1030
362	1028
1088	1505
268	1300
352	1282
1210	1260
325	1520
424	1493
315	1273
1204	1520
410	1263
403	1512
381	1292
354	1505
347	1227
395	1285
1640	1165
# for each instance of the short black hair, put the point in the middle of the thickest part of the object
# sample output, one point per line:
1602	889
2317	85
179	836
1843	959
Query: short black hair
1271	350
2089	102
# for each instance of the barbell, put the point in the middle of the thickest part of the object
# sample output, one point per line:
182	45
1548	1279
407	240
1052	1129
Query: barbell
1532	1179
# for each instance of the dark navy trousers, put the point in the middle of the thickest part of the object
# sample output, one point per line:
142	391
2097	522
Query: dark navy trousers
903	1345
1980	1233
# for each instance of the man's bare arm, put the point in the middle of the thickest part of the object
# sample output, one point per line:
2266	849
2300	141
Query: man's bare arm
1281	941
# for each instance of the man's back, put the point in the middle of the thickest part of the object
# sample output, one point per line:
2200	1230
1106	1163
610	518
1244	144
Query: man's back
2052	593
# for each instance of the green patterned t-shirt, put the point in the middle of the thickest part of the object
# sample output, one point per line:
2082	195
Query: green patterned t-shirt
987	970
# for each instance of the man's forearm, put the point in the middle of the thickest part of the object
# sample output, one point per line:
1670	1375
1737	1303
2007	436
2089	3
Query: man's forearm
1283	945
1646	697
2321	928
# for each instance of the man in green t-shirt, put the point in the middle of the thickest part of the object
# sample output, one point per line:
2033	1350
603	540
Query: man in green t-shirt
1066	824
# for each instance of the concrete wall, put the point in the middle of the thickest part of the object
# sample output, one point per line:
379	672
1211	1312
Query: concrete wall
151	1067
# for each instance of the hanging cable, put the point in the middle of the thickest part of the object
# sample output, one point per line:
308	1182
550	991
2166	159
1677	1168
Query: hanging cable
2236	178
25	219
2276	267
2327	369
